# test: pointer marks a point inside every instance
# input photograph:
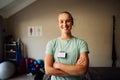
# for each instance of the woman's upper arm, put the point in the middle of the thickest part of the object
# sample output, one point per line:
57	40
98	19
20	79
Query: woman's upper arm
48	61
83	61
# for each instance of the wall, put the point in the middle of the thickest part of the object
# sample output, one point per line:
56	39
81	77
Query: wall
93	23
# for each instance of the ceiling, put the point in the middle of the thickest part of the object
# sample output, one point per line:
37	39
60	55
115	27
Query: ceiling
10	7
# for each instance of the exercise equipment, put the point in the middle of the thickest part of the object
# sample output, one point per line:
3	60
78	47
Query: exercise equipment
7	69
35	65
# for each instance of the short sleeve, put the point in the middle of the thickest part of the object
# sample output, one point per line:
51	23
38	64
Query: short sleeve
84	47
49	48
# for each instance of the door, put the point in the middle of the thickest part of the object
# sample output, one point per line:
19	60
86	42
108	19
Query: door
117	40
1	38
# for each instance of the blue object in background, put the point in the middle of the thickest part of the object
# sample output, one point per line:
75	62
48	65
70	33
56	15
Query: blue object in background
34	66
18	51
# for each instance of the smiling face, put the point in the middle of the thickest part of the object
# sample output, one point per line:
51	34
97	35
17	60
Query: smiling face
65	22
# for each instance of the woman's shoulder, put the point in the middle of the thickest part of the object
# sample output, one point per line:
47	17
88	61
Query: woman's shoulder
53	40
78	39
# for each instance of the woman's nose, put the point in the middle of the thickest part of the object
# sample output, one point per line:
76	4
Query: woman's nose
64	24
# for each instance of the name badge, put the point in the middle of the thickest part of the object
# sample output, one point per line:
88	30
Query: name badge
62	54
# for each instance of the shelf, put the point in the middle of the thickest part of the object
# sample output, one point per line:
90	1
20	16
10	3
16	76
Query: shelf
10	51
10	44
12	59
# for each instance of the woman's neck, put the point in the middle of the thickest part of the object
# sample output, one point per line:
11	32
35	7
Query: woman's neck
66	36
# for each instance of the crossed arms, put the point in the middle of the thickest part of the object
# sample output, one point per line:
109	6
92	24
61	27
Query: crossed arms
60	69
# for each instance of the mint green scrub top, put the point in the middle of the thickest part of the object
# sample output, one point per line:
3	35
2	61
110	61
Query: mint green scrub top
72	48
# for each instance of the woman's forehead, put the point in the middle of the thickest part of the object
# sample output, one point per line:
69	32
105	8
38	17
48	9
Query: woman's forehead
64	16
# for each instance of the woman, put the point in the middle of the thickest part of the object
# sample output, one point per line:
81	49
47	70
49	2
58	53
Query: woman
66	56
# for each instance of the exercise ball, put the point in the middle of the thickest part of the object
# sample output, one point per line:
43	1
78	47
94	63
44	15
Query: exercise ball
7	69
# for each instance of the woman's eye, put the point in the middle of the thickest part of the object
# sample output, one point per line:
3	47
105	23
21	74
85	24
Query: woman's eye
61	22
68	20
